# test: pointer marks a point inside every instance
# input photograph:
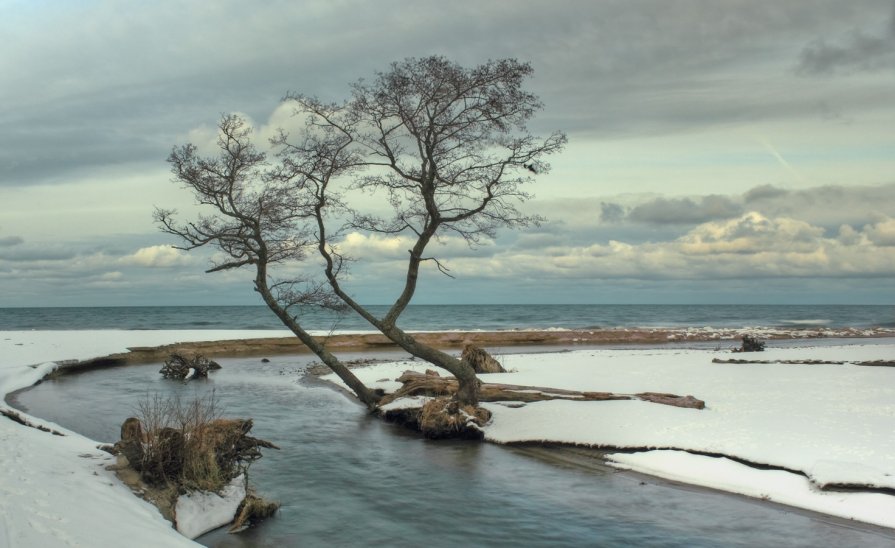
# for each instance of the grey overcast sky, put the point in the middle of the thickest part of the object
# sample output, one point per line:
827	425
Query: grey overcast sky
720	151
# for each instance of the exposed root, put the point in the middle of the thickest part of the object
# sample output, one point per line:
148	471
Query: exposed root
442	418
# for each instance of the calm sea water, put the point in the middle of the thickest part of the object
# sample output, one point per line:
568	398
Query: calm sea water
345	478
456	317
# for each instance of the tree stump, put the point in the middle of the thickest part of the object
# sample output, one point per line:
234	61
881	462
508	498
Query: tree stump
480	360
131	444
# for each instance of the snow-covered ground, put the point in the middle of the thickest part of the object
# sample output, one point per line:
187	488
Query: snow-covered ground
55	490
820	425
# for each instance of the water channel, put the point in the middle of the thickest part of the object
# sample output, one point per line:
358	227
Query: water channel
347	479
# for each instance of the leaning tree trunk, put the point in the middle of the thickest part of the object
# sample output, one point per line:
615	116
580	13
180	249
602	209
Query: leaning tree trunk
468	390
366	396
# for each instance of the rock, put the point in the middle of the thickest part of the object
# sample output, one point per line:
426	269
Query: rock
480	360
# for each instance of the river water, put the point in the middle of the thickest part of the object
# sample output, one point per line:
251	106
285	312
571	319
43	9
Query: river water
347	479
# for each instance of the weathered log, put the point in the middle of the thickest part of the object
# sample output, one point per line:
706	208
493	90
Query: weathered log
877	363
671	399
788	362
418	384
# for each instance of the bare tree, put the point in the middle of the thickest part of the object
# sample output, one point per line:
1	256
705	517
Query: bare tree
256	220
449	148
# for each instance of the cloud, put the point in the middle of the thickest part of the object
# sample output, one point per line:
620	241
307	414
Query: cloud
829	206
752	233
750	247
685	210
43	253
764	192
157	256
882	233
9	241
611	213
858	50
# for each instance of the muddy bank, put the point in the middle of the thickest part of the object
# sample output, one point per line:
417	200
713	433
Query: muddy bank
449	340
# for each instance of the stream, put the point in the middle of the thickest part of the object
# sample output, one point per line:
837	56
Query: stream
345	478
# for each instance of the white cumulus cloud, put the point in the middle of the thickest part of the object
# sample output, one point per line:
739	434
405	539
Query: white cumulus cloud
156	256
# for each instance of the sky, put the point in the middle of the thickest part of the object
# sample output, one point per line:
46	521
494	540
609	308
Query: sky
720	151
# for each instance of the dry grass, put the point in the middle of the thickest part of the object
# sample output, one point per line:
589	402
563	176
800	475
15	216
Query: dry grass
182	441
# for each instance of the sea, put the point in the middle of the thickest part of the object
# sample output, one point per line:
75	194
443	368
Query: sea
457	317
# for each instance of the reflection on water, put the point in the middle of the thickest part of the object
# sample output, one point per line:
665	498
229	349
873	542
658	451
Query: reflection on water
346	479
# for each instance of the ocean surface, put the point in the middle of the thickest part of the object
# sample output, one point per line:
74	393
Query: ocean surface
457	317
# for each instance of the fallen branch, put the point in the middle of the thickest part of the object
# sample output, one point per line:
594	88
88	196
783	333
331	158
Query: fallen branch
431	384
791	362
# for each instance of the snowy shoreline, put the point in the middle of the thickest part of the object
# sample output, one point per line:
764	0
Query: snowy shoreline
818	436
829	422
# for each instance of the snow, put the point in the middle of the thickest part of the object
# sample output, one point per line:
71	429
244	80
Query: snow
200	512
821	425
55	490
772	485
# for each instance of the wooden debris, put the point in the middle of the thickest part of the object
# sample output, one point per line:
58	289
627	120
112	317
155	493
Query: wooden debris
750	344
480	360
183	367
790	362
418	384
877	363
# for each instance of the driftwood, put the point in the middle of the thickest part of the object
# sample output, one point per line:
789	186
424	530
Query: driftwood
791	362
877	363
419	384
253	509
750	344
183	367
871	363
480	360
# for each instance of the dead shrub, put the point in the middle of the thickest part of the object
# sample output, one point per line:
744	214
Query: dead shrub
188	444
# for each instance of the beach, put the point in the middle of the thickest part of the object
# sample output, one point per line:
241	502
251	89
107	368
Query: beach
773	431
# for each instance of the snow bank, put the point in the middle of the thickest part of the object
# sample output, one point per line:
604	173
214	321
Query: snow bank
772	485
201	511
832	423
55	490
